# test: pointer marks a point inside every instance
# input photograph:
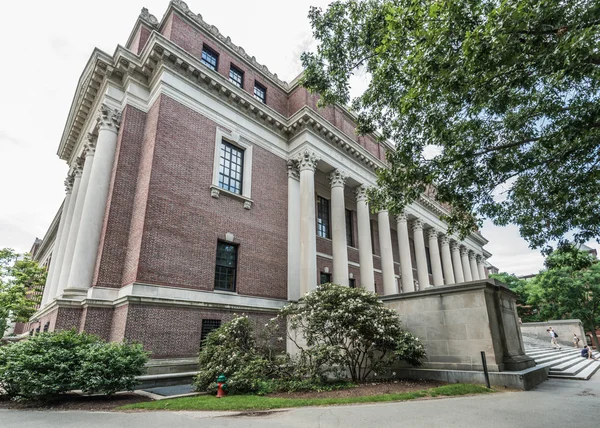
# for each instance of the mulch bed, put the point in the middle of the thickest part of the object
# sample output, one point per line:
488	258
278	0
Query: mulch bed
77	402
371	388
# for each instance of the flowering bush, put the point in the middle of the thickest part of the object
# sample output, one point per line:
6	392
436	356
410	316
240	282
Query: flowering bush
349	329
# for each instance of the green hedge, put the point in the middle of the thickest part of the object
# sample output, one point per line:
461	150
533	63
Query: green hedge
49	364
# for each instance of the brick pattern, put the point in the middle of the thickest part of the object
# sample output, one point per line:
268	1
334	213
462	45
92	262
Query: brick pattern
97	321
169	332
119	323
66	319
119	208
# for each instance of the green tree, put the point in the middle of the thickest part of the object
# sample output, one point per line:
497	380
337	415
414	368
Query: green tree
481	97
21	282
527	312
568	291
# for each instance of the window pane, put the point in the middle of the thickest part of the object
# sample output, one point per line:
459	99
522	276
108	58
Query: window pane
260	92
226	266
231	166
349	229
236	77
322	217
209	58
325	278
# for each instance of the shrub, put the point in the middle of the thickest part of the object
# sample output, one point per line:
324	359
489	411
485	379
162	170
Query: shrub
49	364
348	329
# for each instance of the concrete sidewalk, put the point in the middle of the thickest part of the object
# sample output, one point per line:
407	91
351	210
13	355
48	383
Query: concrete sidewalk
555	403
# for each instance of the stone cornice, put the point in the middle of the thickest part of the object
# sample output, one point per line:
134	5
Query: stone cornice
50	235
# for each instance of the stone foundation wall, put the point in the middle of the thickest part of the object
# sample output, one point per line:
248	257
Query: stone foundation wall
564	328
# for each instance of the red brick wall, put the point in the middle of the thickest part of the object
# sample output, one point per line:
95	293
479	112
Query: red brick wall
119	208
66	319
140	39
183	222
180	32
96	321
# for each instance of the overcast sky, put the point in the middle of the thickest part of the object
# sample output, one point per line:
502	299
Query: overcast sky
47	44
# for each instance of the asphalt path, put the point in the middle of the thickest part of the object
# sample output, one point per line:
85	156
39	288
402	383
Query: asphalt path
555	403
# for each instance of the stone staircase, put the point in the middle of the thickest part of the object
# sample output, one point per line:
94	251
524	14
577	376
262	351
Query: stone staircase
565	363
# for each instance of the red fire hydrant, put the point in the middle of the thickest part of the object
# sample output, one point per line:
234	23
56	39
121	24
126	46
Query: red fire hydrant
221	386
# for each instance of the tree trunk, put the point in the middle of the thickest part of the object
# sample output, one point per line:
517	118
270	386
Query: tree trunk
595	340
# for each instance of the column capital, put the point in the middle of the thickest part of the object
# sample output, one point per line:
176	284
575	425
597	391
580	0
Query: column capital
479	258
401	218
90	147
108	119
464	251
445	240
292	169
69	183
432	233
307	160
454	245
77	171
472	255
337	178
417	225
361	193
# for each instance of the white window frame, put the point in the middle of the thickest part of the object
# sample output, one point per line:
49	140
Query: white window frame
236	140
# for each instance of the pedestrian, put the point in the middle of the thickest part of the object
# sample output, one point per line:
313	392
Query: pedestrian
553	337
575	340
586	353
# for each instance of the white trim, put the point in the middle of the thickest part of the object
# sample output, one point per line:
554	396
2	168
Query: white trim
235	139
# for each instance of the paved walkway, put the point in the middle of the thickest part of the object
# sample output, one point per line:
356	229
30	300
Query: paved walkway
555	403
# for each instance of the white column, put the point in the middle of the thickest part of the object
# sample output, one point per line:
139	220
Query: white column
365	251
307	162
481	267
408	283
387	257
434	254
59	244
464	257
293	231
337	180
473	263
92	216
447	260
459	276
74	226
421	256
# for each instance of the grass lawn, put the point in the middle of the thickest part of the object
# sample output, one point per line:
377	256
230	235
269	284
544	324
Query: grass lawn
255	402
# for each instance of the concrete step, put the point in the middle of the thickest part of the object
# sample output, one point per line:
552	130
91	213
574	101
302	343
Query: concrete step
561	363
584	374
574	369
556	356
565	363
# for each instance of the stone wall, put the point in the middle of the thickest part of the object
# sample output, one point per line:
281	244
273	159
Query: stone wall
564	328
457	322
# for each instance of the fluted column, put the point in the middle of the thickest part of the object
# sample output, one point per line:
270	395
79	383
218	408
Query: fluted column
434	254
447	260
473	263
84	178
59	244
421	256
365	251
459	276
481	267
464	257
293	231
307	162
337	180
387	257
408	283
92	216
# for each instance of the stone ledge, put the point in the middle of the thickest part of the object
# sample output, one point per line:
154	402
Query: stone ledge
448	289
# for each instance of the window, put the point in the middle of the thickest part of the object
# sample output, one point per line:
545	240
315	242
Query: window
349	230
226	268
325	278
428	256
322	217
46	326
207	327
210	58
352	283
231	164
236	76
260	92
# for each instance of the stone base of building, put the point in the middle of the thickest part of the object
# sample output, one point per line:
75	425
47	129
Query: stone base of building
523	379
457	322
168	322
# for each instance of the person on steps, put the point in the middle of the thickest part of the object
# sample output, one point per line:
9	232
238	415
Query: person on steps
575	340
586	353
553	337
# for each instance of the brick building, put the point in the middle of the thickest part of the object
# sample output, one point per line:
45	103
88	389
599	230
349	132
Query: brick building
201	185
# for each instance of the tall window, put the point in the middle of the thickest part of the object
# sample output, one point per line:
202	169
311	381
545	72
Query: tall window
352	283
428	256
325	278
226	269
231	166
349	229
210	58
236	76
207	327
260	92
322	217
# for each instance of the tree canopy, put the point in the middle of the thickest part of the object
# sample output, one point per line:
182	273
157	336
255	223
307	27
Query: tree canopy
21	280
495	104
